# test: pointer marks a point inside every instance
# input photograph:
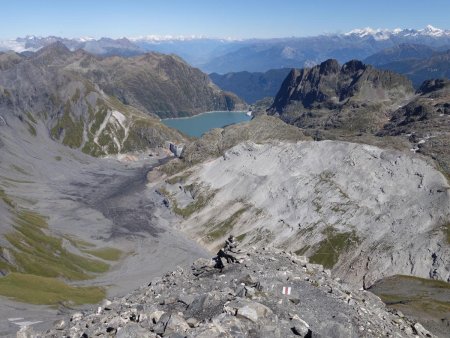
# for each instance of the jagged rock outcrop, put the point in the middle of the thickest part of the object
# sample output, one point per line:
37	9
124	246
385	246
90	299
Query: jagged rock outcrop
425	121
351	97
246	300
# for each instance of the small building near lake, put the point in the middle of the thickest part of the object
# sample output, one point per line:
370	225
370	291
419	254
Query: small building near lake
174	148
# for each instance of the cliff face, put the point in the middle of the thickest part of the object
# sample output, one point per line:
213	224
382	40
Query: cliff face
354	97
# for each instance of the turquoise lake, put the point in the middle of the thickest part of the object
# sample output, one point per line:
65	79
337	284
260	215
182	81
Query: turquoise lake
199	124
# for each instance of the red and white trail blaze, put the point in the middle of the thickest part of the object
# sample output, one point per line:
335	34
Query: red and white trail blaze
286	290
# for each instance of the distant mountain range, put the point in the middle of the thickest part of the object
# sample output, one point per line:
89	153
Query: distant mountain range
253	55
251	86
417	62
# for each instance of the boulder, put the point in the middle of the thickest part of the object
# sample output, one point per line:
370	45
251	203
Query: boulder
248	313
160	326
133	330
26	332
192	322
300	327
420	330
314	268
60	324
76	317
155	316
176	323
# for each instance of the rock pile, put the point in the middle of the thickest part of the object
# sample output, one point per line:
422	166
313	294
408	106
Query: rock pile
270	294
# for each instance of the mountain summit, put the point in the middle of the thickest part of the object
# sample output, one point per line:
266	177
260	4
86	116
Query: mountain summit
353	96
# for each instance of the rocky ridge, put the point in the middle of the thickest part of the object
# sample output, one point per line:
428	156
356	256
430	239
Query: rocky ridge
425	122
351	97
401	52
104	105
216	142
244	300
420	69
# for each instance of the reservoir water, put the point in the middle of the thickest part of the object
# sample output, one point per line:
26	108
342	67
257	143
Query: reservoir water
200	124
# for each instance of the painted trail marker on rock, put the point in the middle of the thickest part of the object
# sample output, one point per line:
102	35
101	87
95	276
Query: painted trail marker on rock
286	290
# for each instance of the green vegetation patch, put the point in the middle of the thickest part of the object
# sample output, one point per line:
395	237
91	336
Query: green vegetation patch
109	254
225	227
200	202
241	237
19	169
179	178
73	130
76	96
48	291
5	198
415	296
31	117
332	246
92	148
36	262
31	129
41	254
98	119
302	251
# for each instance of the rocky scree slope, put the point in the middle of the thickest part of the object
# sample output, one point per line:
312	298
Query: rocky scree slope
425	122
351	97
362	211
245	300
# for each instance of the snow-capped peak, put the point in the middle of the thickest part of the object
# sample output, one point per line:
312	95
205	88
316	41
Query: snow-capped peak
382	34
377	34
159	38
433	31
169	38
84	39
361	31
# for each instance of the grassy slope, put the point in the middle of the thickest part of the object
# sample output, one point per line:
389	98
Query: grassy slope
38	263
44	290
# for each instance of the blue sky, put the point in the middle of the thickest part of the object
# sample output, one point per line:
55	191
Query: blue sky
214	18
